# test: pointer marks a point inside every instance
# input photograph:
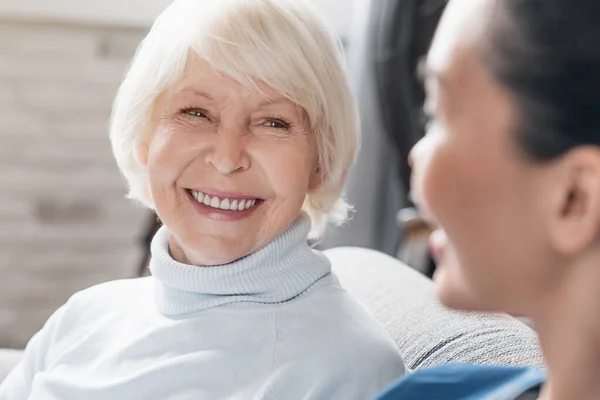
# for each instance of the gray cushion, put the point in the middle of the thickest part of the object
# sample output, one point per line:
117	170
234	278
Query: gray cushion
426	333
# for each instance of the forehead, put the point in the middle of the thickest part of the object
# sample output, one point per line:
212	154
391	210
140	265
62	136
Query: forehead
460	30
200	76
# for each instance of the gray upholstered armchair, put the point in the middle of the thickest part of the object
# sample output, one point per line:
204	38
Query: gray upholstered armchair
426	333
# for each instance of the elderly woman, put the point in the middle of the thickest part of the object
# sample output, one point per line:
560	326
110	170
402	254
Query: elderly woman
235	123
510	171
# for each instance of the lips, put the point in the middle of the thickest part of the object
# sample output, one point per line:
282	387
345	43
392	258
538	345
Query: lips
438	242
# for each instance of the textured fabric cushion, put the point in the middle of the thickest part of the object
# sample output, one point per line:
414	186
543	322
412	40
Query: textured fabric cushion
8	359
426	333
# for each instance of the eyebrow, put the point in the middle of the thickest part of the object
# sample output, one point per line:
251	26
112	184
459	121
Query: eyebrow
196	92
268	102
263	103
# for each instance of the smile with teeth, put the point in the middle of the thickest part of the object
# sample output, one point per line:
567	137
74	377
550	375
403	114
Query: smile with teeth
223	203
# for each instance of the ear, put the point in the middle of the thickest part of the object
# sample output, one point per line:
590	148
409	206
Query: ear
316	179
142	153
575	201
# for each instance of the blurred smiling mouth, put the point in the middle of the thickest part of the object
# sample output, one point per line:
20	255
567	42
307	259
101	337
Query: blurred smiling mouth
438	240
229	203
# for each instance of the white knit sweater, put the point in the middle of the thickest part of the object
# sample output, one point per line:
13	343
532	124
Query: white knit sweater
273	325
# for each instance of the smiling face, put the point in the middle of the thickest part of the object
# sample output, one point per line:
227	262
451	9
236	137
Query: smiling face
229	167
471	179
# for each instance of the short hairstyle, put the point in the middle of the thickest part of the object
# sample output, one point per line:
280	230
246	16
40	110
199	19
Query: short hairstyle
282	43
547	53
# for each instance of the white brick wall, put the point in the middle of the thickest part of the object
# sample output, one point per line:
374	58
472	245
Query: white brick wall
64	222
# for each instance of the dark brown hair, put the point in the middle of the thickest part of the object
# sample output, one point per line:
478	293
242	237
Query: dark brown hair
547	53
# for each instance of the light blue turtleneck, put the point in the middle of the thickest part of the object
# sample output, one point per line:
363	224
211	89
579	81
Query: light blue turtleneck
273	325
284	270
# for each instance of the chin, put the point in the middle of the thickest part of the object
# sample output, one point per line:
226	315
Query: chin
451	298
454	293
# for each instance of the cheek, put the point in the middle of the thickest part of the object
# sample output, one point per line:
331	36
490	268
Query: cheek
455	191
286	166
464	179
168	156
483	202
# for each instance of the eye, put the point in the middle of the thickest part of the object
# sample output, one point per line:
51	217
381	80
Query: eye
276	124
194	112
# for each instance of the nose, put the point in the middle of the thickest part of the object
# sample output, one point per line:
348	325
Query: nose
228	154
412	155
418	151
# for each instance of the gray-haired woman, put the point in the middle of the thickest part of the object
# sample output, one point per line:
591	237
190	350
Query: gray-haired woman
235	123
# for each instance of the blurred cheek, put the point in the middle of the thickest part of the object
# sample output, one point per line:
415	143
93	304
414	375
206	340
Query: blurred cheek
441	189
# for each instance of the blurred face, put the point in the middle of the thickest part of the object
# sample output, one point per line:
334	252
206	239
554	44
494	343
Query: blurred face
229	167
471	180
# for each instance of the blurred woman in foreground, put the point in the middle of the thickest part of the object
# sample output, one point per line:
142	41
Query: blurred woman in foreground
510	173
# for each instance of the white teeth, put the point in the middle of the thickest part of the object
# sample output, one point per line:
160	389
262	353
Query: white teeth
224	204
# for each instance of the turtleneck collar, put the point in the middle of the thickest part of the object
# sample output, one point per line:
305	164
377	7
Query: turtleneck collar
281	271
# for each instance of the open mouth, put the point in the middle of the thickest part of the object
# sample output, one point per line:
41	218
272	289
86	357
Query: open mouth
224	203
438	242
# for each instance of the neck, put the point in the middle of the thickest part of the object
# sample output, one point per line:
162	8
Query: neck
568	325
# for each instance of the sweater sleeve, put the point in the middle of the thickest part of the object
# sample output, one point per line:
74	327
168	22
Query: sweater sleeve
330	347
18	383
356	375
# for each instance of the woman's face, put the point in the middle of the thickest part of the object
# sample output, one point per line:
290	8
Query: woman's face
229	167
471	180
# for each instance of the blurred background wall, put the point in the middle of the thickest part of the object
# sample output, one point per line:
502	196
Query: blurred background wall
64	222
139	13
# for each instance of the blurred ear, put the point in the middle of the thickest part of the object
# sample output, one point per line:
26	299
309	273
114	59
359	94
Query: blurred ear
575	201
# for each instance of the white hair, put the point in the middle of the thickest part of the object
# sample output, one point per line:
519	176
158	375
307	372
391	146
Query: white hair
281	43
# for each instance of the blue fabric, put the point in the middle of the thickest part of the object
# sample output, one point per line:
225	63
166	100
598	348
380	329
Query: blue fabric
465	382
